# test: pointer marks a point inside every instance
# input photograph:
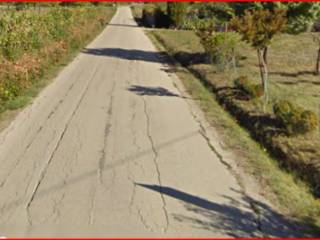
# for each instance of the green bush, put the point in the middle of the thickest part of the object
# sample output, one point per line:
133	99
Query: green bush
253	90
221	47
148	15
154	16
177	12
296	119
161	18
309	121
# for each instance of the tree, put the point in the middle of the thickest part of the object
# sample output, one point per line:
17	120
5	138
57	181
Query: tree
316	38
177	12
300	15
239	8
205	30
258	27
20	5
222	12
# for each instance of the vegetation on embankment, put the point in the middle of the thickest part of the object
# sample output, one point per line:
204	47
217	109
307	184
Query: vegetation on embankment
215	91
33	46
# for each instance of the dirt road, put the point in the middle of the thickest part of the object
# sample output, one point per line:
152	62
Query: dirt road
112	148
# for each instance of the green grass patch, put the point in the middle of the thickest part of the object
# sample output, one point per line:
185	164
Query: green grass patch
18	102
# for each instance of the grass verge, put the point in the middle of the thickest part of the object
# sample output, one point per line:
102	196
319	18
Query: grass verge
292	196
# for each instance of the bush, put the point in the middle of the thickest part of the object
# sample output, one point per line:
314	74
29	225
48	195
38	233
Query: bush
296	119
190	21
253	90
189	24
148	15
221	47
177	12
154	16
316	26
161	18
204	30
298	25
220	10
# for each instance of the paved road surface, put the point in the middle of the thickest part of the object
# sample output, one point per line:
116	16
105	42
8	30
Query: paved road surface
111	148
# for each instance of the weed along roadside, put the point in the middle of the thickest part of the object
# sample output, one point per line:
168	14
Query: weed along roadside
40	44
285	155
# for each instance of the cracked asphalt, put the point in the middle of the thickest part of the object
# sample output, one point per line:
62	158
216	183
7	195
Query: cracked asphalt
114	148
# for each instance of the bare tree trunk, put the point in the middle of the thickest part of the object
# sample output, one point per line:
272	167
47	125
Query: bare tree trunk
226	27
264	76
265	55
318	63
260	66
234	63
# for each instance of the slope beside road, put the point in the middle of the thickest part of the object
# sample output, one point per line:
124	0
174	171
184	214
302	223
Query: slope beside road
113	149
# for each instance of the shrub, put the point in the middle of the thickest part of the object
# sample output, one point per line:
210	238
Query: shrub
154	16
296	119
161	18
148	15
220	10
189	24
221	47
301	16
204	30
309	121
177	12
253	90
191	20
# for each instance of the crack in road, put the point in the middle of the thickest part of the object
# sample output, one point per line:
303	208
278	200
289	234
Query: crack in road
143	221
101	163
106	133
255	209
51	113
33	139
133	118
55	208
155	153
44	170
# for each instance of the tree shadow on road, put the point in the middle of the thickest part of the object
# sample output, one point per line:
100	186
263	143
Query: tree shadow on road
128	54
122	25
152	91
229	219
